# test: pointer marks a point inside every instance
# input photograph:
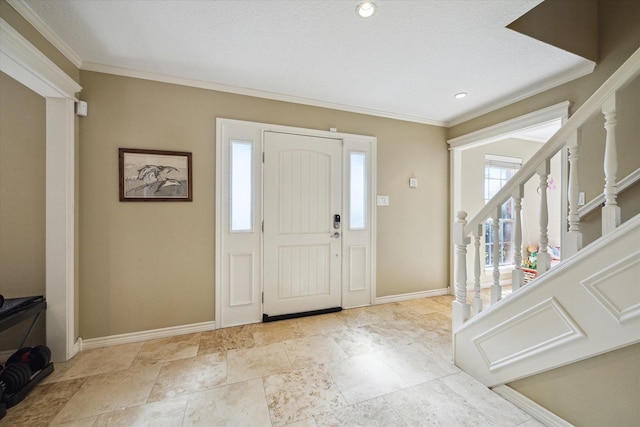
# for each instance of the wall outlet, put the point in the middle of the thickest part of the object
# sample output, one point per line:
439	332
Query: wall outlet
413	182
382	200
581	201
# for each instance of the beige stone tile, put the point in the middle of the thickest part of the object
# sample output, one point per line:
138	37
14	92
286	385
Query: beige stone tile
323	324
168	349
84	422
100	361
272	332
237	337
309	422
372	413
161	414
490	404
435	404
256	362
42	404
356	341
364	377
362	316
416	364
300	394
313	350
186	376
110	392
241	404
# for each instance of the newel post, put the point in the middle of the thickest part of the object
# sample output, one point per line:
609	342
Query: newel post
611	210
461	309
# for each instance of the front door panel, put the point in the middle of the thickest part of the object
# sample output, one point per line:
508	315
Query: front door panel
302	246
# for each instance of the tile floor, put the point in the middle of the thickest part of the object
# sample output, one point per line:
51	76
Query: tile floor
385	365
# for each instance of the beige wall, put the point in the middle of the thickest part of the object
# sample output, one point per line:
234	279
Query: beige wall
601	391
151	265
22	200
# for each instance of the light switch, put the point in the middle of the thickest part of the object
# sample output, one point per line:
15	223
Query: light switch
382	200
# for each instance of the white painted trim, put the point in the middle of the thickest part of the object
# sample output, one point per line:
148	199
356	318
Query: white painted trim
498	131
412	296
538	412
25	63
145	75
27	13
145	335
488	135
576	73
597	201
265	127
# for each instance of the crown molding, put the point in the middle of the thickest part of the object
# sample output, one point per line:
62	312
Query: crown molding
146	75
26	64
499	130
575	73
27	13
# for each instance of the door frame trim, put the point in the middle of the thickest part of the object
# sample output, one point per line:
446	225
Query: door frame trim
220	204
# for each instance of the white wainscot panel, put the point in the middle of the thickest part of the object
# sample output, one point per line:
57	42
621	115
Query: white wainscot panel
538	329
242	279
616	288
357	268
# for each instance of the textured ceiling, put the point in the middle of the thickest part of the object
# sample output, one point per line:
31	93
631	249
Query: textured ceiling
407	61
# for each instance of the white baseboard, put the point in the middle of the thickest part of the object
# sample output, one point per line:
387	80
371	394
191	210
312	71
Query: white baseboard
541	414
412	295
144	335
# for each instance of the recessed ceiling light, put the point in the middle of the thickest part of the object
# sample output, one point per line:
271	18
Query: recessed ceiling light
366	9
460	95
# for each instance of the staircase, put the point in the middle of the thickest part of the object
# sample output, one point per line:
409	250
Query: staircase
587	305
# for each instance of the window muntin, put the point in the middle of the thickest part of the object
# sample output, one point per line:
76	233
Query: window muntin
241	193
498	171
357	190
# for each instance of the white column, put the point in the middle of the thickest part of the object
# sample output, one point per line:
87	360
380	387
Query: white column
60	228
611	210
461	309
477	301
496	289
543	259
517	276
574	235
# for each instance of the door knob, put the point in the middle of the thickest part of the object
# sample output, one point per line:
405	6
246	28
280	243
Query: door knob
335	235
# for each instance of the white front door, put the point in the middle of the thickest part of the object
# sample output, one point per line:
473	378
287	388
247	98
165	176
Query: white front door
302	201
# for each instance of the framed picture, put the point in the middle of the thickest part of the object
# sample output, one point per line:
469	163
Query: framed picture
155	176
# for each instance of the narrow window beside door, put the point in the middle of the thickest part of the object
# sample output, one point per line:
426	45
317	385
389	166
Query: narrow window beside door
241	186
357	191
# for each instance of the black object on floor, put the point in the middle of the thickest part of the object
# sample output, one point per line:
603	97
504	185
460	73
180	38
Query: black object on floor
267	318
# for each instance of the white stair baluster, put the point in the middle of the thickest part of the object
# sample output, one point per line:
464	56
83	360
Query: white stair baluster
477	301
496	289
543	258
461	309
574	235
611	210
517	276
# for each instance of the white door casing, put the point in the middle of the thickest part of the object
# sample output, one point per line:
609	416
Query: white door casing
240	254
302	248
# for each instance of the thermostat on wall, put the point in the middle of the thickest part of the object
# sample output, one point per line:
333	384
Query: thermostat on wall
81	108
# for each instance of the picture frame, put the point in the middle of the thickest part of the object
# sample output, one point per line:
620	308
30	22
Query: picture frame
155	175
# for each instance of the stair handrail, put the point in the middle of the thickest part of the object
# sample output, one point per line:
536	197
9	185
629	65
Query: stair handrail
629	70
